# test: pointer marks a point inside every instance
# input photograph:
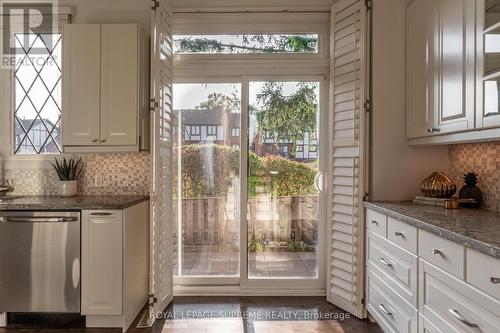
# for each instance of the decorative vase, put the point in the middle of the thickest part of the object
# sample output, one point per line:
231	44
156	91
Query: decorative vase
471	191
67	188
438	185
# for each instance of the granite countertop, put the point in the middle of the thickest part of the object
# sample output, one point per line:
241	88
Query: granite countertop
478	229
80	202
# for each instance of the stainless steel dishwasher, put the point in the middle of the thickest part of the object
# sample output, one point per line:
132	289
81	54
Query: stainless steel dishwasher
39	261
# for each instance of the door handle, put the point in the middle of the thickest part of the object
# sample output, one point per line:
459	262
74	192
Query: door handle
460	318
94	140
495	280
102	140
318	182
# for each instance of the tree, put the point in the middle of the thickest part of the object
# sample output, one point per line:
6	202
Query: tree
250	44
221	102
287	118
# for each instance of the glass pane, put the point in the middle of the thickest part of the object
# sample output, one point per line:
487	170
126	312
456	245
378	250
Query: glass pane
254	43
207	182
492	52
491	97
283	163
492	12
37	97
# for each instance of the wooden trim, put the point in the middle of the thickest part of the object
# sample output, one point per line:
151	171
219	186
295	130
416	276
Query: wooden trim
492	134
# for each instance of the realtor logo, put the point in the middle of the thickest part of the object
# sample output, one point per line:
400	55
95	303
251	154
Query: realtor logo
21	22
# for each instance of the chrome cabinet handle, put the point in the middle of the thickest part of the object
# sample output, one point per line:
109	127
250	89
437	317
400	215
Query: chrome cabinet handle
432	130
101	214
374	222
400	234
384	310
22	219
495	280
459	317
383	261
94	140
437	251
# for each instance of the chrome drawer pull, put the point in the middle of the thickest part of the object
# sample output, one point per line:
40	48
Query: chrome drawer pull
384	310
458	316
374	222
495	280
383	261
400	234
101	214
437	251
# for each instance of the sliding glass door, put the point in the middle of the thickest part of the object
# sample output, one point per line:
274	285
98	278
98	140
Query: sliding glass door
207	194
254	216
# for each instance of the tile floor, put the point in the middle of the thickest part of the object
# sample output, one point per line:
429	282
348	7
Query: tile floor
261	264
234	315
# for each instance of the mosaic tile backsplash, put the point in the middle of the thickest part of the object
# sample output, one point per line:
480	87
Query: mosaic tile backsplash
124	173
484	159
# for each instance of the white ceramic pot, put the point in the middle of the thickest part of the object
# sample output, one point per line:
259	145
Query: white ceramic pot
67	188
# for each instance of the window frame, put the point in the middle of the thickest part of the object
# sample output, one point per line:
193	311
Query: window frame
12	108
7	133
224	68
209	132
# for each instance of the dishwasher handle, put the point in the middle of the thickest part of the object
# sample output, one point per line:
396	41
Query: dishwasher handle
40	219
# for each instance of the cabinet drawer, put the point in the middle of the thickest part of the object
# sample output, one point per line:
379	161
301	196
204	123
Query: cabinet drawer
425	326
392	313
454	306
376	222
483	272
402	234
399	266
443	253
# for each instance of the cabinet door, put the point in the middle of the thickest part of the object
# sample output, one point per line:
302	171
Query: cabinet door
488	64
81	84
455	39
120	84
420	74
102	264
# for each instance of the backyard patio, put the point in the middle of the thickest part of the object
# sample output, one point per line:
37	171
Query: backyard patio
261	264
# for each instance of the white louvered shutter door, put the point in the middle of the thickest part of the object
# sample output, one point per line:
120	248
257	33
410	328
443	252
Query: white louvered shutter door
345	280
162	150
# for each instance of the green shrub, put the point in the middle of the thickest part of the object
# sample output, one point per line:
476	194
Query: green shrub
208	170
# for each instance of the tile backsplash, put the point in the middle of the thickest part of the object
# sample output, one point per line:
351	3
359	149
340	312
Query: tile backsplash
118	173
484	159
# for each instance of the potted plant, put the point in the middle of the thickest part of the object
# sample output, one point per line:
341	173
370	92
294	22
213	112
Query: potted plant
68	172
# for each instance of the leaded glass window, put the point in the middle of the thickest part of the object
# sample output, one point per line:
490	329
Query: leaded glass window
37	94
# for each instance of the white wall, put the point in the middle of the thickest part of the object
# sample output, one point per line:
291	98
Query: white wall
397	169
110	11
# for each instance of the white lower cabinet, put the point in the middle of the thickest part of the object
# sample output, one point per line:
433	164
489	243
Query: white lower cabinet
454	306
439	286
390	310
115	265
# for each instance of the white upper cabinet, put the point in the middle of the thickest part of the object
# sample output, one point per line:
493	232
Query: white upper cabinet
103	107
81	84
420	81
488	55
440	74
119	84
